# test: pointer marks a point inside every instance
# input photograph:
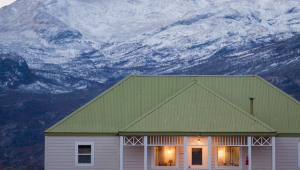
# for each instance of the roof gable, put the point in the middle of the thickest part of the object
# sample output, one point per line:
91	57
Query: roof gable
198	109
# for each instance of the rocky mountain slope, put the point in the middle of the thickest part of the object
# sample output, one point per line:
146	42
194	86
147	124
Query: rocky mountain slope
55	55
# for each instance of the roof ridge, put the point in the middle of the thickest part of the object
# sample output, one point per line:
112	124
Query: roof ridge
235	106
157	106
88	103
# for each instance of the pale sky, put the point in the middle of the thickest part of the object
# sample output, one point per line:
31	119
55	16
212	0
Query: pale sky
6	2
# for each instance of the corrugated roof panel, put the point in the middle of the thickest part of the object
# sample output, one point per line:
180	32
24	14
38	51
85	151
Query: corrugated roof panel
278	110
191	121
259	90
149	93
137	94
241	92
293	111
131	92
279	104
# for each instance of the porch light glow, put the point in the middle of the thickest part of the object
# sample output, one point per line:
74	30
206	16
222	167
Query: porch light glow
220	151
199	141
169	151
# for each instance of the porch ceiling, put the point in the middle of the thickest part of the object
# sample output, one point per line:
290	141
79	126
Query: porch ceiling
197	109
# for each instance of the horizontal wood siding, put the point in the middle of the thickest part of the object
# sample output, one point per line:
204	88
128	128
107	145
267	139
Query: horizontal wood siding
133	157
60	153
213	156
287	153
181	157
261	157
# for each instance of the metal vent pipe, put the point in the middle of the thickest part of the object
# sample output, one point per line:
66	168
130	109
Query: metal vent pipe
251	105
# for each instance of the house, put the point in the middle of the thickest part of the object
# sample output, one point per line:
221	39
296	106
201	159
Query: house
178	123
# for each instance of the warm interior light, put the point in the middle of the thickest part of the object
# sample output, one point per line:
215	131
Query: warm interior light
220	151
169	151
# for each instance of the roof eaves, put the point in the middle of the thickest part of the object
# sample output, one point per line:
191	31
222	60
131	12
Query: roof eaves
146	75
87	104
235	106
203	133
78	134
156	107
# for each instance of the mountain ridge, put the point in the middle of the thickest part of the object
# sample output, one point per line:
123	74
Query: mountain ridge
72	50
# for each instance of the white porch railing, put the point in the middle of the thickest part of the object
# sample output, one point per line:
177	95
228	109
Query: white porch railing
165	141
229	141
197	141
133	141
261	141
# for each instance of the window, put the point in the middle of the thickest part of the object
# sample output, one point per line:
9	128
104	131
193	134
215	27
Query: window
84	154
164	157
228	156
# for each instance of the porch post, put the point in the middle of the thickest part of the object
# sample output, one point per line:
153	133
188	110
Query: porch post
273	153
249	140
121	152
145	152
185	153
209	153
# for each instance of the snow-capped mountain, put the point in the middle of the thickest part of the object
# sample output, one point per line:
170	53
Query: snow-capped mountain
65	52
86	39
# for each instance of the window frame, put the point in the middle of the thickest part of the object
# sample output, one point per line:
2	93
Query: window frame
229	167
76	153
165	167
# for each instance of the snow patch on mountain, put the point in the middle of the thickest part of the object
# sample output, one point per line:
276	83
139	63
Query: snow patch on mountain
111	39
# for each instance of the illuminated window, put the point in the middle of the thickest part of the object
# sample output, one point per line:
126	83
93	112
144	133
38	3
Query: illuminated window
228	156
164	156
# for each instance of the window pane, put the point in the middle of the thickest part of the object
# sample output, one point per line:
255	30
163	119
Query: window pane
228	155
84	149
84	158
164	156
196	156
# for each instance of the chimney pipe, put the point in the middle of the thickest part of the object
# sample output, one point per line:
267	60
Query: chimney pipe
251	105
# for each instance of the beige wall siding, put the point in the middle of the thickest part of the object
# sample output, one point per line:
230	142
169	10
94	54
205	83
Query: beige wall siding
287	153
134	157
60	152
181	156
261	157
213	156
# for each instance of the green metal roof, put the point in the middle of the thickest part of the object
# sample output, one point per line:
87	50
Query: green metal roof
129	100
197	109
